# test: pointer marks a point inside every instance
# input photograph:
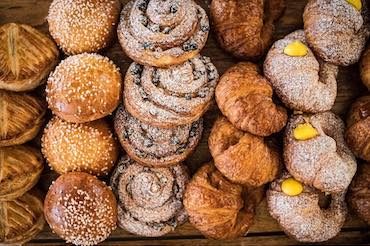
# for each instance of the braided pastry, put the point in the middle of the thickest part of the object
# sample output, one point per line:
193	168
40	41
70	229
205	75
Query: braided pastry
316	154
358	131
336	30
218	208
162	33
149	199
245	98
178	95
300	80
242	157
153	146
301	216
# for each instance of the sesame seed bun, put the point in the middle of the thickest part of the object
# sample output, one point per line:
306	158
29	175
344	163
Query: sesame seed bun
84	88
83	25
88	147
80	209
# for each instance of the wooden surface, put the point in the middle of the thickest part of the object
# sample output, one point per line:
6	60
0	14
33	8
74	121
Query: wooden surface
265	230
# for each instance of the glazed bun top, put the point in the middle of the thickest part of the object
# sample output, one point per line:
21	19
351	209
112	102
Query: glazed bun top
84	88
83	25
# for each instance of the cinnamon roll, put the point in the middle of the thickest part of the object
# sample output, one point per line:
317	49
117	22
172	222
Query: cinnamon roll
162	33
153	146
149	199
165	98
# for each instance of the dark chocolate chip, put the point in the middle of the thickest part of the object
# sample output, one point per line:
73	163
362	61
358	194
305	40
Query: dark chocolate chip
148	46
203	92
144	20
137	81
188	96
173	9
189	46
204	28
136	69
142	5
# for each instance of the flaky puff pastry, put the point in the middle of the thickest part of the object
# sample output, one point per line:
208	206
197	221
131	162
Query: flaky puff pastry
244	28
245	98
218	208
21	116
26	57
358	130
242	157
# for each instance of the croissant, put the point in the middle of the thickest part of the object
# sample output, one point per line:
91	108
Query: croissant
358	128
242	157
365	68
245	27
218	208
245	98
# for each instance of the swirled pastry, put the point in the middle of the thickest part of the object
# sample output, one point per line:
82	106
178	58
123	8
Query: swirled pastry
316	154
358	128
218	208
301	216
21	117
242	157
337	30
245	27
26	57
177	95
149	199
20	168
302	82
21	219
245	98
153	146
162	33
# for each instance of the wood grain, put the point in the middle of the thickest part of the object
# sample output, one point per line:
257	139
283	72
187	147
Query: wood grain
265	230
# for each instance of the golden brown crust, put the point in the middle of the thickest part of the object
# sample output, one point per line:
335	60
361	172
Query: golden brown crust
218	208
242	157
81	209
88	147
20	168
245	98
365	68
26	57
21	219
358	133
21	116
245	27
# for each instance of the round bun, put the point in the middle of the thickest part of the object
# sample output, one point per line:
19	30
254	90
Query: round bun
21	219
149	199
84	88
162	33
20	168
218	208
27	59
359	193
365	68
81	209
302	217
83	25
88	147
21	117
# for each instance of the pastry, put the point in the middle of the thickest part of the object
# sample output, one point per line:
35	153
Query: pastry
80	209
244	28
21	219
162	33
358	131
88	147
302	82
242	157
153	146
20	168
218	208
149	199
83	25
359	193
27	56
365	68
296	207
316	154
84	88
166	98
21	116
337	30
245	98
